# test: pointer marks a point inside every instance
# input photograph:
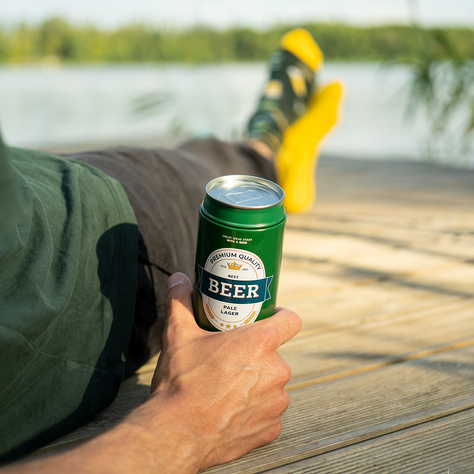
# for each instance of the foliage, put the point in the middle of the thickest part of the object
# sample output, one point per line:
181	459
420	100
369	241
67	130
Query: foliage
443	90
55	39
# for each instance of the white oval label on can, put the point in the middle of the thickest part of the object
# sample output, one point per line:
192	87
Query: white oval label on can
233	287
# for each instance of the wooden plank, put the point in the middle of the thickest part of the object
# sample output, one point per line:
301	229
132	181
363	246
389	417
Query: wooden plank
453	280
335	300
351	247
306	282
442	446
382	228
401	221
315	263
355	409
318	356
346	177
348	249
389	227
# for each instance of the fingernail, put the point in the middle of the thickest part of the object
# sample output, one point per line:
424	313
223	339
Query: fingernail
176	279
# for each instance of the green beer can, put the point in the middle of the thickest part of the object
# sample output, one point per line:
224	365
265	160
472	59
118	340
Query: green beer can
239	249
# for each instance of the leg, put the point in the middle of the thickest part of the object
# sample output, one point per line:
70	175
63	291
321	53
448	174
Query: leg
293	116
166	188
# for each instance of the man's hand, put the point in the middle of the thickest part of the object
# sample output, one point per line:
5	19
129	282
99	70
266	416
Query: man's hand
225	388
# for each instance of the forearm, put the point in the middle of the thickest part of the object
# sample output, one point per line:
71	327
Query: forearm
146	441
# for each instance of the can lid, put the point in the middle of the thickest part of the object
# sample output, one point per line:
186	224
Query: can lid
244	201
245	192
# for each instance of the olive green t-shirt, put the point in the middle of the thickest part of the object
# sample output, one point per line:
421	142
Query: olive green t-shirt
68	256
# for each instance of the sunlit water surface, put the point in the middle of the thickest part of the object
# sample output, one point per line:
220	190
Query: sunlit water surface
51	106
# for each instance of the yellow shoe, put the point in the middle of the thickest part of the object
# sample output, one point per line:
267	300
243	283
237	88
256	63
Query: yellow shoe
297	159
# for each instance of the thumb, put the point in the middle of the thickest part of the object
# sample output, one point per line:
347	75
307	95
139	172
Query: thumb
179	322
179	308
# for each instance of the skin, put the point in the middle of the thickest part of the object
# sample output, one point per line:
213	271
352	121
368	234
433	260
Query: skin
215	397
262	148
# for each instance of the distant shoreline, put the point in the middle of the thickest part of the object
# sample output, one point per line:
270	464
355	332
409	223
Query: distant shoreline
57	41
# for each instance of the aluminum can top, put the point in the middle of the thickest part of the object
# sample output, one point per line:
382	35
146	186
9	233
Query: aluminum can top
244	201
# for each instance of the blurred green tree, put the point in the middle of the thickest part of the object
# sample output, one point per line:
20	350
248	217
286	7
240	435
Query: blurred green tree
54	37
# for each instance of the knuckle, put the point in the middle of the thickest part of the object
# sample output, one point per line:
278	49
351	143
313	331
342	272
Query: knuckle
273	432
281	372
285	372
285	402
265	339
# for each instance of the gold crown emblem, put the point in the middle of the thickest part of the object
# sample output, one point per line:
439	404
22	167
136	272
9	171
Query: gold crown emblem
233	266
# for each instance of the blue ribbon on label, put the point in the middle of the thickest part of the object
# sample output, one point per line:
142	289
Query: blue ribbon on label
233	291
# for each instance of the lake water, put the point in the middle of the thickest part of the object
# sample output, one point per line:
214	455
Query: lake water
52	106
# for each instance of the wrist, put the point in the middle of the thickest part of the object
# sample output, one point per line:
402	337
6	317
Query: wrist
161	437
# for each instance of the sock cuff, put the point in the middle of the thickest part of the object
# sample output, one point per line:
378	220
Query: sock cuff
263	126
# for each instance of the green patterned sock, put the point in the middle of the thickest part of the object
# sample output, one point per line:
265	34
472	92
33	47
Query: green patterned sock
284	99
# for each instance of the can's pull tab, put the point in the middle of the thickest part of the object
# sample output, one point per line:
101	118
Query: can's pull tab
244	196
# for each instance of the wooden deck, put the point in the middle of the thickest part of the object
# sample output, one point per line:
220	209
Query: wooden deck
382	273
